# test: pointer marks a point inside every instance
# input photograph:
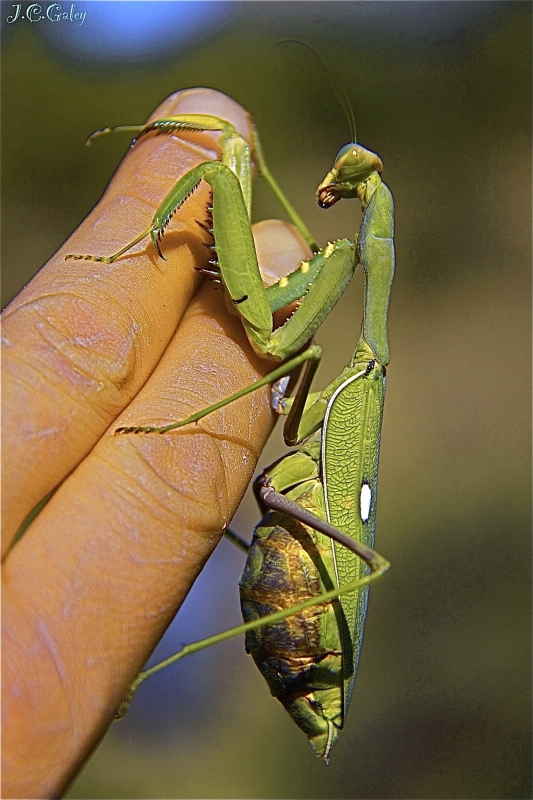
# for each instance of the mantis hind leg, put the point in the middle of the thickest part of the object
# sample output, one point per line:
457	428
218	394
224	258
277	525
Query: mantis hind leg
237	540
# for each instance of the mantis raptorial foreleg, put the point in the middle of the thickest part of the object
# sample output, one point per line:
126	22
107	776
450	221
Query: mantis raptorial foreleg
320	281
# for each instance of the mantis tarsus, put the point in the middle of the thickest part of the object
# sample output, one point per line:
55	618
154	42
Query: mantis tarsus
304	587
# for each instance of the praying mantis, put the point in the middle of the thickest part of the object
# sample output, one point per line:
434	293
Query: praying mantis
304	588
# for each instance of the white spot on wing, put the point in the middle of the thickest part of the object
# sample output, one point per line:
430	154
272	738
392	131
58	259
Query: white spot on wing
365	501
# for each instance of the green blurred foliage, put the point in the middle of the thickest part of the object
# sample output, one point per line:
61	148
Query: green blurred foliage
442	92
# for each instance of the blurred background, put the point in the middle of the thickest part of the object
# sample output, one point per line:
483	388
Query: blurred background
442	91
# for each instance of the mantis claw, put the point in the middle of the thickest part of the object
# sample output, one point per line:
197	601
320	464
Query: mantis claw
135	429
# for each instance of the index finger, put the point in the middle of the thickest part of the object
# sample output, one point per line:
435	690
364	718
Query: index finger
82	338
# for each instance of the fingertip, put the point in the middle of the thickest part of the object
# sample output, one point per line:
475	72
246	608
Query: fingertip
280	248
201	100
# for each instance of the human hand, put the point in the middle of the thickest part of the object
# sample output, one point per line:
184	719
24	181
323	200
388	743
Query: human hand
88	347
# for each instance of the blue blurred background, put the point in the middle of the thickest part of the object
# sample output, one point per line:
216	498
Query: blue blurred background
442	91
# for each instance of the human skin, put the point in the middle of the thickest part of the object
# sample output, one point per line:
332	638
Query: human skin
87	347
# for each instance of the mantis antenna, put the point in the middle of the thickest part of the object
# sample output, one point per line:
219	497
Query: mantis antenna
338	88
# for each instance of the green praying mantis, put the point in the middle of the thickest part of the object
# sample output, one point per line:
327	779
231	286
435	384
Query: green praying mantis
305	584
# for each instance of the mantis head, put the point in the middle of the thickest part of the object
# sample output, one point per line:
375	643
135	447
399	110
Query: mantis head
353	165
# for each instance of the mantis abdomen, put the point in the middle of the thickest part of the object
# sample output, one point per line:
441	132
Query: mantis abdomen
301	656
310	659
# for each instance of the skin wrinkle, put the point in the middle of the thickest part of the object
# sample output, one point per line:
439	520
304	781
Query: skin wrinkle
137	331
191	399
206	501
142	206
46	433
124	354
66	419
176	560
43	645
162	611
53	651
217	433
227	438
70	616
132	353
36	390
38	436
71	604
30	365
155	503
226	483
154	163
194	495
144	180
110	240
133	328
196	149
63	342
131	298
75	370
129	491
188	542
191	403
187	230
167	146
132	305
